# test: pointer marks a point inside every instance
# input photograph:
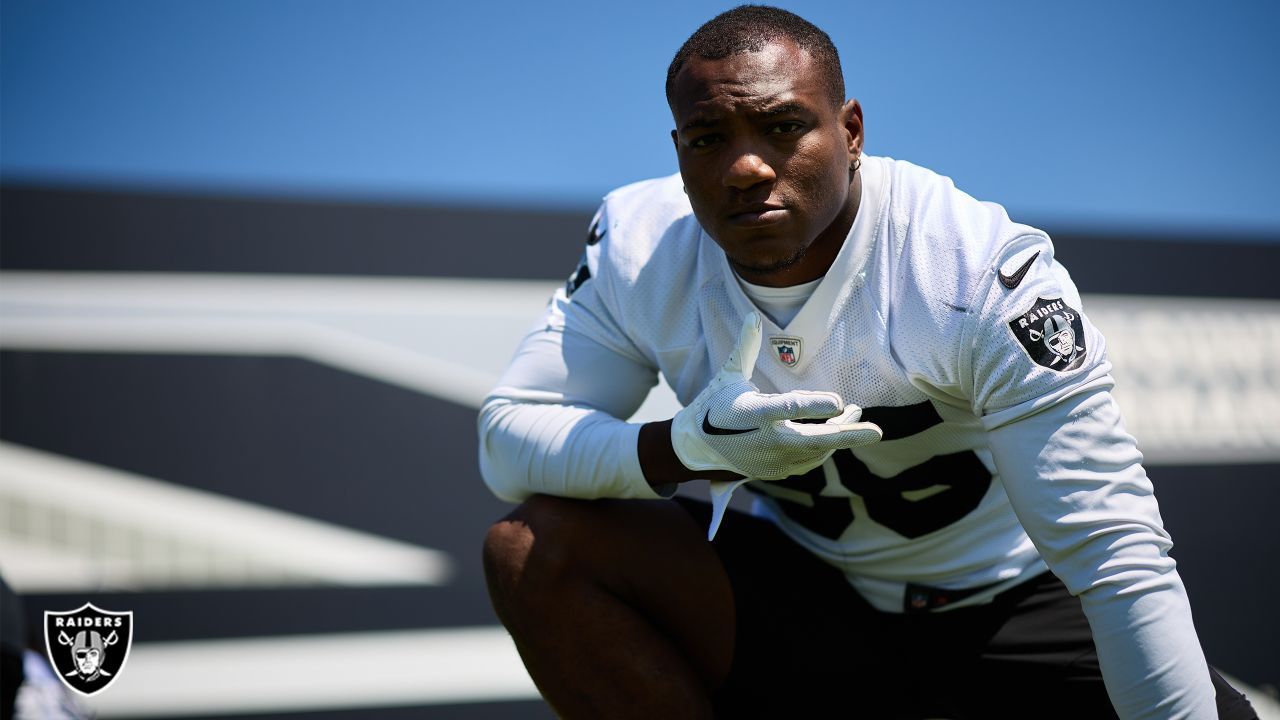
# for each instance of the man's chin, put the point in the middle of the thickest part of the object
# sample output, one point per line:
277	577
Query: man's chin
765	266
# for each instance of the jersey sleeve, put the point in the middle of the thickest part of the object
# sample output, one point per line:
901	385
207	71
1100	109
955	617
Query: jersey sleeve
554	423
1041	383
1028	343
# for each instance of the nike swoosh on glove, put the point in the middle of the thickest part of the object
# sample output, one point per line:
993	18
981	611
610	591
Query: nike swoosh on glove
732	426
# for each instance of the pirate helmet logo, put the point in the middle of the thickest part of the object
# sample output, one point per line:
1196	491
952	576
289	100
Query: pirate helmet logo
1059	337
88	646
1052	334
88	649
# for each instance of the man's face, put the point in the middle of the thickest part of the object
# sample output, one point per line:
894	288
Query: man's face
764	152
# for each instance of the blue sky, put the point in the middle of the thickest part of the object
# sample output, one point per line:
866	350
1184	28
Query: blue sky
1142	114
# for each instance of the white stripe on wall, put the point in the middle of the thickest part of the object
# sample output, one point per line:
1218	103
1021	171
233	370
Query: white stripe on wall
71	525
317	672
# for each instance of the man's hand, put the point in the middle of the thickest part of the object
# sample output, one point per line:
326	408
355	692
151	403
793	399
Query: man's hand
732	426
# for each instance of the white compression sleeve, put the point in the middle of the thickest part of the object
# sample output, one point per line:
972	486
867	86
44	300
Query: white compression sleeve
553	428
561	450
1076	482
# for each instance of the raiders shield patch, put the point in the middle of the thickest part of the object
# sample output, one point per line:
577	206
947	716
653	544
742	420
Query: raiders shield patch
88	646
1052	333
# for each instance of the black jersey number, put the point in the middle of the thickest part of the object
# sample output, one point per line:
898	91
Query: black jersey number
919	500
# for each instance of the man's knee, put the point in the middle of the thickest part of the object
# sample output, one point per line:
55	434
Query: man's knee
532	545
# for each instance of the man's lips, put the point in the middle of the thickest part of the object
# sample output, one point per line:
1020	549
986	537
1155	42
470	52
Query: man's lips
758	215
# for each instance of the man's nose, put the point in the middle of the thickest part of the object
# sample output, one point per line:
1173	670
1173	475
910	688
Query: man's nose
747	170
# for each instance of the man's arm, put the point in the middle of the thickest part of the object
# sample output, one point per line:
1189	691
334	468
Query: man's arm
1039	378
1076	482
661	465
1036	372
552	426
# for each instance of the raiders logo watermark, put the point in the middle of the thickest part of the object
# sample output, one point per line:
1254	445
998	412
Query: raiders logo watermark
1052	333
88	646
787	349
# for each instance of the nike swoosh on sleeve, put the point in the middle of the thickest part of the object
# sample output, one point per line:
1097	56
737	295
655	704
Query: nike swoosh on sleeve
710	429
1012	281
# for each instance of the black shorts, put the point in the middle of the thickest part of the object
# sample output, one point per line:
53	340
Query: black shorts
808	646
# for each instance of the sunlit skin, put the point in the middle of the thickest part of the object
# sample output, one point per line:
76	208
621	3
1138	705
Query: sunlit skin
765	155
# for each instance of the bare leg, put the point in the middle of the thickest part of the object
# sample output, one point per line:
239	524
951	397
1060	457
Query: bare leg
620	608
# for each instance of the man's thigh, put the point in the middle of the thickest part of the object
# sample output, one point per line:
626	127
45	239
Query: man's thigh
1040	661
1031	654
807	645
609	589
803	636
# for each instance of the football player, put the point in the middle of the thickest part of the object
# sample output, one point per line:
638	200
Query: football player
950	519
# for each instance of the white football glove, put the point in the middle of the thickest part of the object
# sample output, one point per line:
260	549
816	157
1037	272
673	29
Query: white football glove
732	426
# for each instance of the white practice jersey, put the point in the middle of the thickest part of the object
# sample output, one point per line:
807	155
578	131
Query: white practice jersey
956	331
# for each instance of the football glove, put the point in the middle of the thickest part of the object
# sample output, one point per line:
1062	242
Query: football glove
732	426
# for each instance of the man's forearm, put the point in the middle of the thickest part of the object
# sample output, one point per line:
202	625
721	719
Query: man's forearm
1076	481
660	463
561	450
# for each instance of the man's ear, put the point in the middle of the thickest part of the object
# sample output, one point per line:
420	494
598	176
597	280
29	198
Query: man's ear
851	118
675	139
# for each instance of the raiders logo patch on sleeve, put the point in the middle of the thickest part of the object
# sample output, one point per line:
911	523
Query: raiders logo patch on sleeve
1052	333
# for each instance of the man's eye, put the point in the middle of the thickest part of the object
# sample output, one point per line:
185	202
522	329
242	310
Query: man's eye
704	141
785	128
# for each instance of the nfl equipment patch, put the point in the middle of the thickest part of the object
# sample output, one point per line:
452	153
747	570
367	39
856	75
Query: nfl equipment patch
786	349
1052	333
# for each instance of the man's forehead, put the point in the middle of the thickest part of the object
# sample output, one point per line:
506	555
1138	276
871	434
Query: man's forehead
780	73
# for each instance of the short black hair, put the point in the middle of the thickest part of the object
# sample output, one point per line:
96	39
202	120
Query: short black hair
749	28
